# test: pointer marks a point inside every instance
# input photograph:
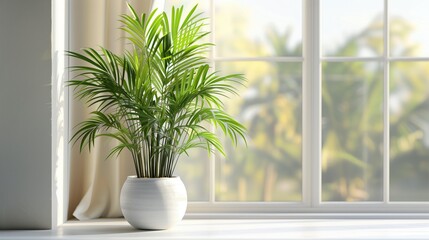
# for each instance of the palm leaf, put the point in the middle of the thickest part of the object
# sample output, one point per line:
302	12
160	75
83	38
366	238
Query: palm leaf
155	99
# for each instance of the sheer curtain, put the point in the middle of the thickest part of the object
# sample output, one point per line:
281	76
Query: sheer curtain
95	182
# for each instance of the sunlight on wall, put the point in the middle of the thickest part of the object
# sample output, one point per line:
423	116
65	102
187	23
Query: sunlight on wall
59	115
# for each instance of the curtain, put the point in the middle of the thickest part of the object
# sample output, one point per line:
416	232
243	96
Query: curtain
95	182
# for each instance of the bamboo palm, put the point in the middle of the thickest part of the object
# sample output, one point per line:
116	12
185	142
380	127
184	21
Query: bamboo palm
156	98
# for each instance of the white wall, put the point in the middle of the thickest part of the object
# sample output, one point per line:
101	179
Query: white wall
25	114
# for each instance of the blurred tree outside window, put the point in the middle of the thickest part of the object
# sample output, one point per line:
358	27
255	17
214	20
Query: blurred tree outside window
264	41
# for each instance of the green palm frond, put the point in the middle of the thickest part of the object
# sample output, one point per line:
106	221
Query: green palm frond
155	99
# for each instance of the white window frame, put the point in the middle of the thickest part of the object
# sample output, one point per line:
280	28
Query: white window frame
312	143
311	206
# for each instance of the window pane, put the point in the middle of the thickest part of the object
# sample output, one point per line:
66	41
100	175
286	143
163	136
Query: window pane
203	6
352	131
409	35
352	28
271	109
258	28
409	131
193	170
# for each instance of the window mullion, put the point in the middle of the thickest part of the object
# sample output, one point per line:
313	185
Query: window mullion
260	59
408	59
351	59
312	105
386	136
212	159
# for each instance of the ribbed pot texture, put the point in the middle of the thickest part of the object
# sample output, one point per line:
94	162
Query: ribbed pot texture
153	203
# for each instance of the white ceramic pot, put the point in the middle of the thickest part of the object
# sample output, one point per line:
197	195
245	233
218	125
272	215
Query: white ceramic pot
153	203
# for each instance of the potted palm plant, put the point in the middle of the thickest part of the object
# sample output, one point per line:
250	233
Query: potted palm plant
156	100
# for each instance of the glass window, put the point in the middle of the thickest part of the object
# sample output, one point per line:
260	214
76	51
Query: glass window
409	131
409	35
251	28
371	108
352	28
352	127
270	106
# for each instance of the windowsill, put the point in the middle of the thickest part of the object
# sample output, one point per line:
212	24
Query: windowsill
238	229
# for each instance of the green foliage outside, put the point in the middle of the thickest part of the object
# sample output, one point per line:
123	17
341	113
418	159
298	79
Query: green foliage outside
352	121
